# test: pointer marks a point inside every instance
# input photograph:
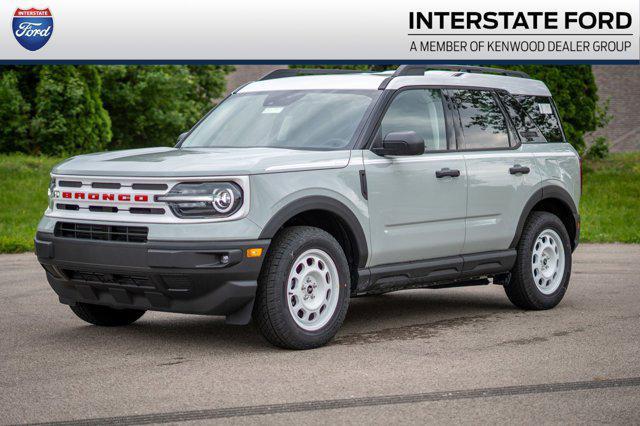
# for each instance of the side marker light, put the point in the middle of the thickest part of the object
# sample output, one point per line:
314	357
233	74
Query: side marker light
254	252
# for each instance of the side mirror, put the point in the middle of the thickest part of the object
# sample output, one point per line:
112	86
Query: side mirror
182	136
401	143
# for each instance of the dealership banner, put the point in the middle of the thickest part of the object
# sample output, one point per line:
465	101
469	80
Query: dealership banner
287	31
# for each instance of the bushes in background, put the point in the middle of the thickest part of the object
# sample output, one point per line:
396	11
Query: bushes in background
598	150
151	106
68	115
14	114
63	110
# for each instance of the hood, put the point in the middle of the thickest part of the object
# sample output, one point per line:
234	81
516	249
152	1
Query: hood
172	162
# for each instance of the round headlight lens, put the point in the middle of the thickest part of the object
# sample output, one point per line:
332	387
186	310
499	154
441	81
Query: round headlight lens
223	200
203	199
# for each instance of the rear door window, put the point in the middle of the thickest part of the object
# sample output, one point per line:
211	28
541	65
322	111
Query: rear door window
544	115
482	122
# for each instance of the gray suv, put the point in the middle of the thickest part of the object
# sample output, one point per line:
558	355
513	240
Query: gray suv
309	187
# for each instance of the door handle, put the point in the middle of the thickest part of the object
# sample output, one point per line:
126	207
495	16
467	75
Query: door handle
446	172
518	169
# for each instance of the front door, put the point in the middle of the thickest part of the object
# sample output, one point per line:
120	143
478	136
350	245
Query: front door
417	204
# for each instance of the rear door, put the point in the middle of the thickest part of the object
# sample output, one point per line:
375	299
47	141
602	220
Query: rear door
501	174
416	213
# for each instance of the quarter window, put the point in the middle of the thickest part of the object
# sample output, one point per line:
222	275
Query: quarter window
482	122
421	111
544	115
524	125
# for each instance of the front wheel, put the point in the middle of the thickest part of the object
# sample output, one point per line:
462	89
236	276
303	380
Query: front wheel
303	289
543	266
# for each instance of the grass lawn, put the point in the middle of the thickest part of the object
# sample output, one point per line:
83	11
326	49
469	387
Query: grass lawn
610	206
23	198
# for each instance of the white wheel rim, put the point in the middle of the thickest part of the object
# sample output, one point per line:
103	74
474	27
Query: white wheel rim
312	289
547	261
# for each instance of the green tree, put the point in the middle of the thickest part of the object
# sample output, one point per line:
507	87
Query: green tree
71	109
152	105
69	116
211	82
14	114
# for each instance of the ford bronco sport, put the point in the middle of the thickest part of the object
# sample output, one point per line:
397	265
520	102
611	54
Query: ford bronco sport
308	187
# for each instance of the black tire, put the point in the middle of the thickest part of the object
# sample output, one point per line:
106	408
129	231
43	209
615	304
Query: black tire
522	290
271	310
106	316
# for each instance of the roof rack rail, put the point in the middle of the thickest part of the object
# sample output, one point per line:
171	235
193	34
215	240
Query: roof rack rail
294	72
421	69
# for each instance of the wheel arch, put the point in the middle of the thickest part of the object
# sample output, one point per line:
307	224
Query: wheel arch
556	200
307	208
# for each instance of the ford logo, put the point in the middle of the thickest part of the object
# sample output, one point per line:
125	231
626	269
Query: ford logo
32	27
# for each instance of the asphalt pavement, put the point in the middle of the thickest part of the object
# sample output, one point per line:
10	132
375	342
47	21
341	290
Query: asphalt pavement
420	356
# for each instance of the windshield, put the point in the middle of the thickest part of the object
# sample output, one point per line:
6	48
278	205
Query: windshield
295	119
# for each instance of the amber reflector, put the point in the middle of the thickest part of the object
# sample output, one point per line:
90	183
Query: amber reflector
254	252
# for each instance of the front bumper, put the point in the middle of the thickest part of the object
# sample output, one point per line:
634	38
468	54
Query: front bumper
186	277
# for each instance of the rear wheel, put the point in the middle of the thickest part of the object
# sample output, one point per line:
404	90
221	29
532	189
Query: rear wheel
303	290
106	316
543	266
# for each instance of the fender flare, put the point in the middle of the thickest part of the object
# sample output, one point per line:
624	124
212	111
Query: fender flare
321	203
546	192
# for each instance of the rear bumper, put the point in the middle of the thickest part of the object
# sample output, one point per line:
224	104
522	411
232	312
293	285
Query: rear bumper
186	277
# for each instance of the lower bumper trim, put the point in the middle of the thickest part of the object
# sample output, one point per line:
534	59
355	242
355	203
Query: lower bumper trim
187	277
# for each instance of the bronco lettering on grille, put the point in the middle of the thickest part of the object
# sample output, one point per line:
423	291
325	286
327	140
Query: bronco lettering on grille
138	198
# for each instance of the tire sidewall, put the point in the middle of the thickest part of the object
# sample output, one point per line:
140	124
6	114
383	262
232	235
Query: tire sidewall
546	221
333	249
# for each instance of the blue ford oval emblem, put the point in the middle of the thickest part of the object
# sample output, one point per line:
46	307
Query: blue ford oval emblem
33	27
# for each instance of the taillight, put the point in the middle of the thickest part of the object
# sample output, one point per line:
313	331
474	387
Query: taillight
580	176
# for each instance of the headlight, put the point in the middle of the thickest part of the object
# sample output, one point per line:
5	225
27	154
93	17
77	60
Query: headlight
50	192
203	199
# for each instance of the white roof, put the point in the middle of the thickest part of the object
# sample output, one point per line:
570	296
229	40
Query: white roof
514	85
372	81
358	81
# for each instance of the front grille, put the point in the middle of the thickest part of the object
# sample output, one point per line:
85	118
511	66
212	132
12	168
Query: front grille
149	186
128	198
120	279
144	210
70	184
106	185
103	209
60	206
88	231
